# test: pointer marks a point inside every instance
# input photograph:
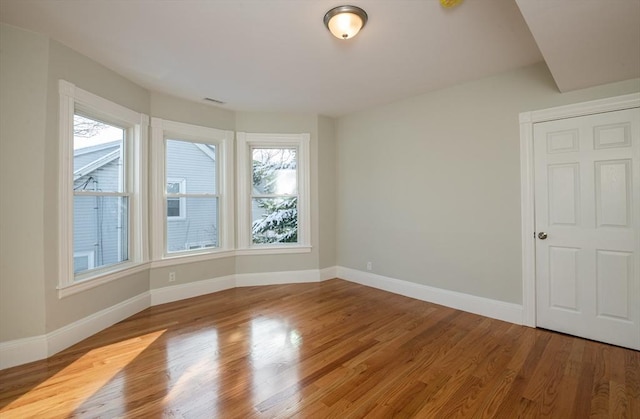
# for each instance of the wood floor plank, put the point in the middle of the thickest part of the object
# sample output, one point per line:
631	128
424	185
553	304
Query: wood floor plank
328	350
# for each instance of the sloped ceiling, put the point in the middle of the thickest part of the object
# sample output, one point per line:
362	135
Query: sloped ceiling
586	42
276	55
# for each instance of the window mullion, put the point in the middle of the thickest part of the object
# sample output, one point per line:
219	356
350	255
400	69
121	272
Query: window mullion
255	196
192	195
100	193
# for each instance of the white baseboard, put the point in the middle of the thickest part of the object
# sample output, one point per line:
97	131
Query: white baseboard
277	278
208	286
75	332
191	289
21	351
487	307
328	273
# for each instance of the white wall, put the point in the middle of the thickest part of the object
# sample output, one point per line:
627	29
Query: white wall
23	83
327	182
429	187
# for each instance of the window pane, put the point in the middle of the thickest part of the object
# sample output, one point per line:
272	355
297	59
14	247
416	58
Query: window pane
194	162
274	171
173	207
97	156
198	229
100	231
173	187
275	220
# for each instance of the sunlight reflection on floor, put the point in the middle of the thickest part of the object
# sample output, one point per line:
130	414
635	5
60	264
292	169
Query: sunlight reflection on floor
86	374
201	351
274	357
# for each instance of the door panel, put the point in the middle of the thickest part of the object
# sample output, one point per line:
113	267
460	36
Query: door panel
564	194
587	201
614	281
613	193
563	278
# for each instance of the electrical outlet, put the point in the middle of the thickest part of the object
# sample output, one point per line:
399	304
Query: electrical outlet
369	266
172	276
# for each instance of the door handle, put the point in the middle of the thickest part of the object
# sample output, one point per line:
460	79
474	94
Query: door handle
542	235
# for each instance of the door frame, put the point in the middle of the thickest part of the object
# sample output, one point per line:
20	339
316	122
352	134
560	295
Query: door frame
527	186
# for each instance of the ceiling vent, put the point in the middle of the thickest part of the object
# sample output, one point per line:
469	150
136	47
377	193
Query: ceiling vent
219	102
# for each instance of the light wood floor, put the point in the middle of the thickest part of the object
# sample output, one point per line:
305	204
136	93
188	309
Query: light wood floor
333	349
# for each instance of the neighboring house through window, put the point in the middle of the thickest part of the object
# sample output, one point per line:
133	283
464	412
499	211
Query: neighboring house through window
83	261
273	187
101	190
193	208
100	195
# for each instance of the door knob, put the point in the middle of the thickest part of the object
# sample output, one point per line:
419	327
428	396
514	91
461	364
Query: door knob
542	235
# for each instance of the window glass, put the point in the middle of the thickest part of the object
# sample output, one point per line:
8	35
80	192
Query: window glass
100	204
193	212
198	230
98	160
274	200
193	162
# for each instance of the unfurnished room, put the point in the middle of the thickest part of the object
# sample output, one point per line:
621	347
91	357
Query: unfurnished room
320	209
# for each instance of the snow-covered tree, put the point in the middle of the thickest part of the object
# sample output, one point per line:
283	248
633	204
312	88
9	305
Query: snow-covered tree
279	221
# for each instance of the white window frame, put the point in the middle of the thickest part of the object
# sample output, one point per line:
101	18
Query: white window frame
135	124
161	130
182	201
244	178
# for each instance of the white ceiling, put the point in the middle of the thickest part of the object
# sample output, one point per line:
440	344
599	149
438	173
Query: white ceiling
276	55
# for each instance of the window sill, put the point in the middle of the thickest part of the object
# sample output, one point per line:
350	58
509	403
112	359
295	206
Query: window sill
122	271
273	250
190	258
102	278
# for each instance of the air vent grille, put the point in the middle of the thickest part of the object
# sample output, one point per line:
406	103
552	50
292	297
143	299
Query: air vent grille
219	102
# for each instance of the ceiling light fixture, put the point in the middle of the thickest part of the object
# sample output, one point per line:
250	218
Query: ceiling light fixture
450	3
344	22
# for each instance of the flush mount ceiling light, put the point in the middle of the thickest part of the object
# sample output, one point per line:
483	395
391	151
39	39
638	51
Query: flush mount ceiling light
344	22
450	3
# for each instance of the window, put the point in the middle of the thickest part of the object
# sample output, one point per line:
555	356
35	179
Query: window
193	204
176	203
101	191
273	183
100	195
274	195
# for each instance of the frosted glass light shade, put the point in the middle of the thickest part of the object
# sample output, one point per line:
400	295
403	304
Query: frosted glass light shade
344	22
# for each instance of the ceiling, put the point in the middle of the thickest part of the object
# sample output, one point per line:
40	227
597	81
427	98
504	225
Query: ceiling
276	55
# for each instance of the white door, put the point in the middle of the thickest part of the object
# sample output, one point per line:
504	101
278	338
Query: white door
587	213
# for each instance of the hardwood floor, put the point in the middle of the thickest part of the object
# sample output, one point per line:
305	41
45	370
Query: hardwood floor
328	350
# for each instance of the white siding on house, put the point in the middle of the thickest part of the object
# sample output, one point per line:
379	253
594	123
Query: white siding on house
98	220
87	155
193	163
